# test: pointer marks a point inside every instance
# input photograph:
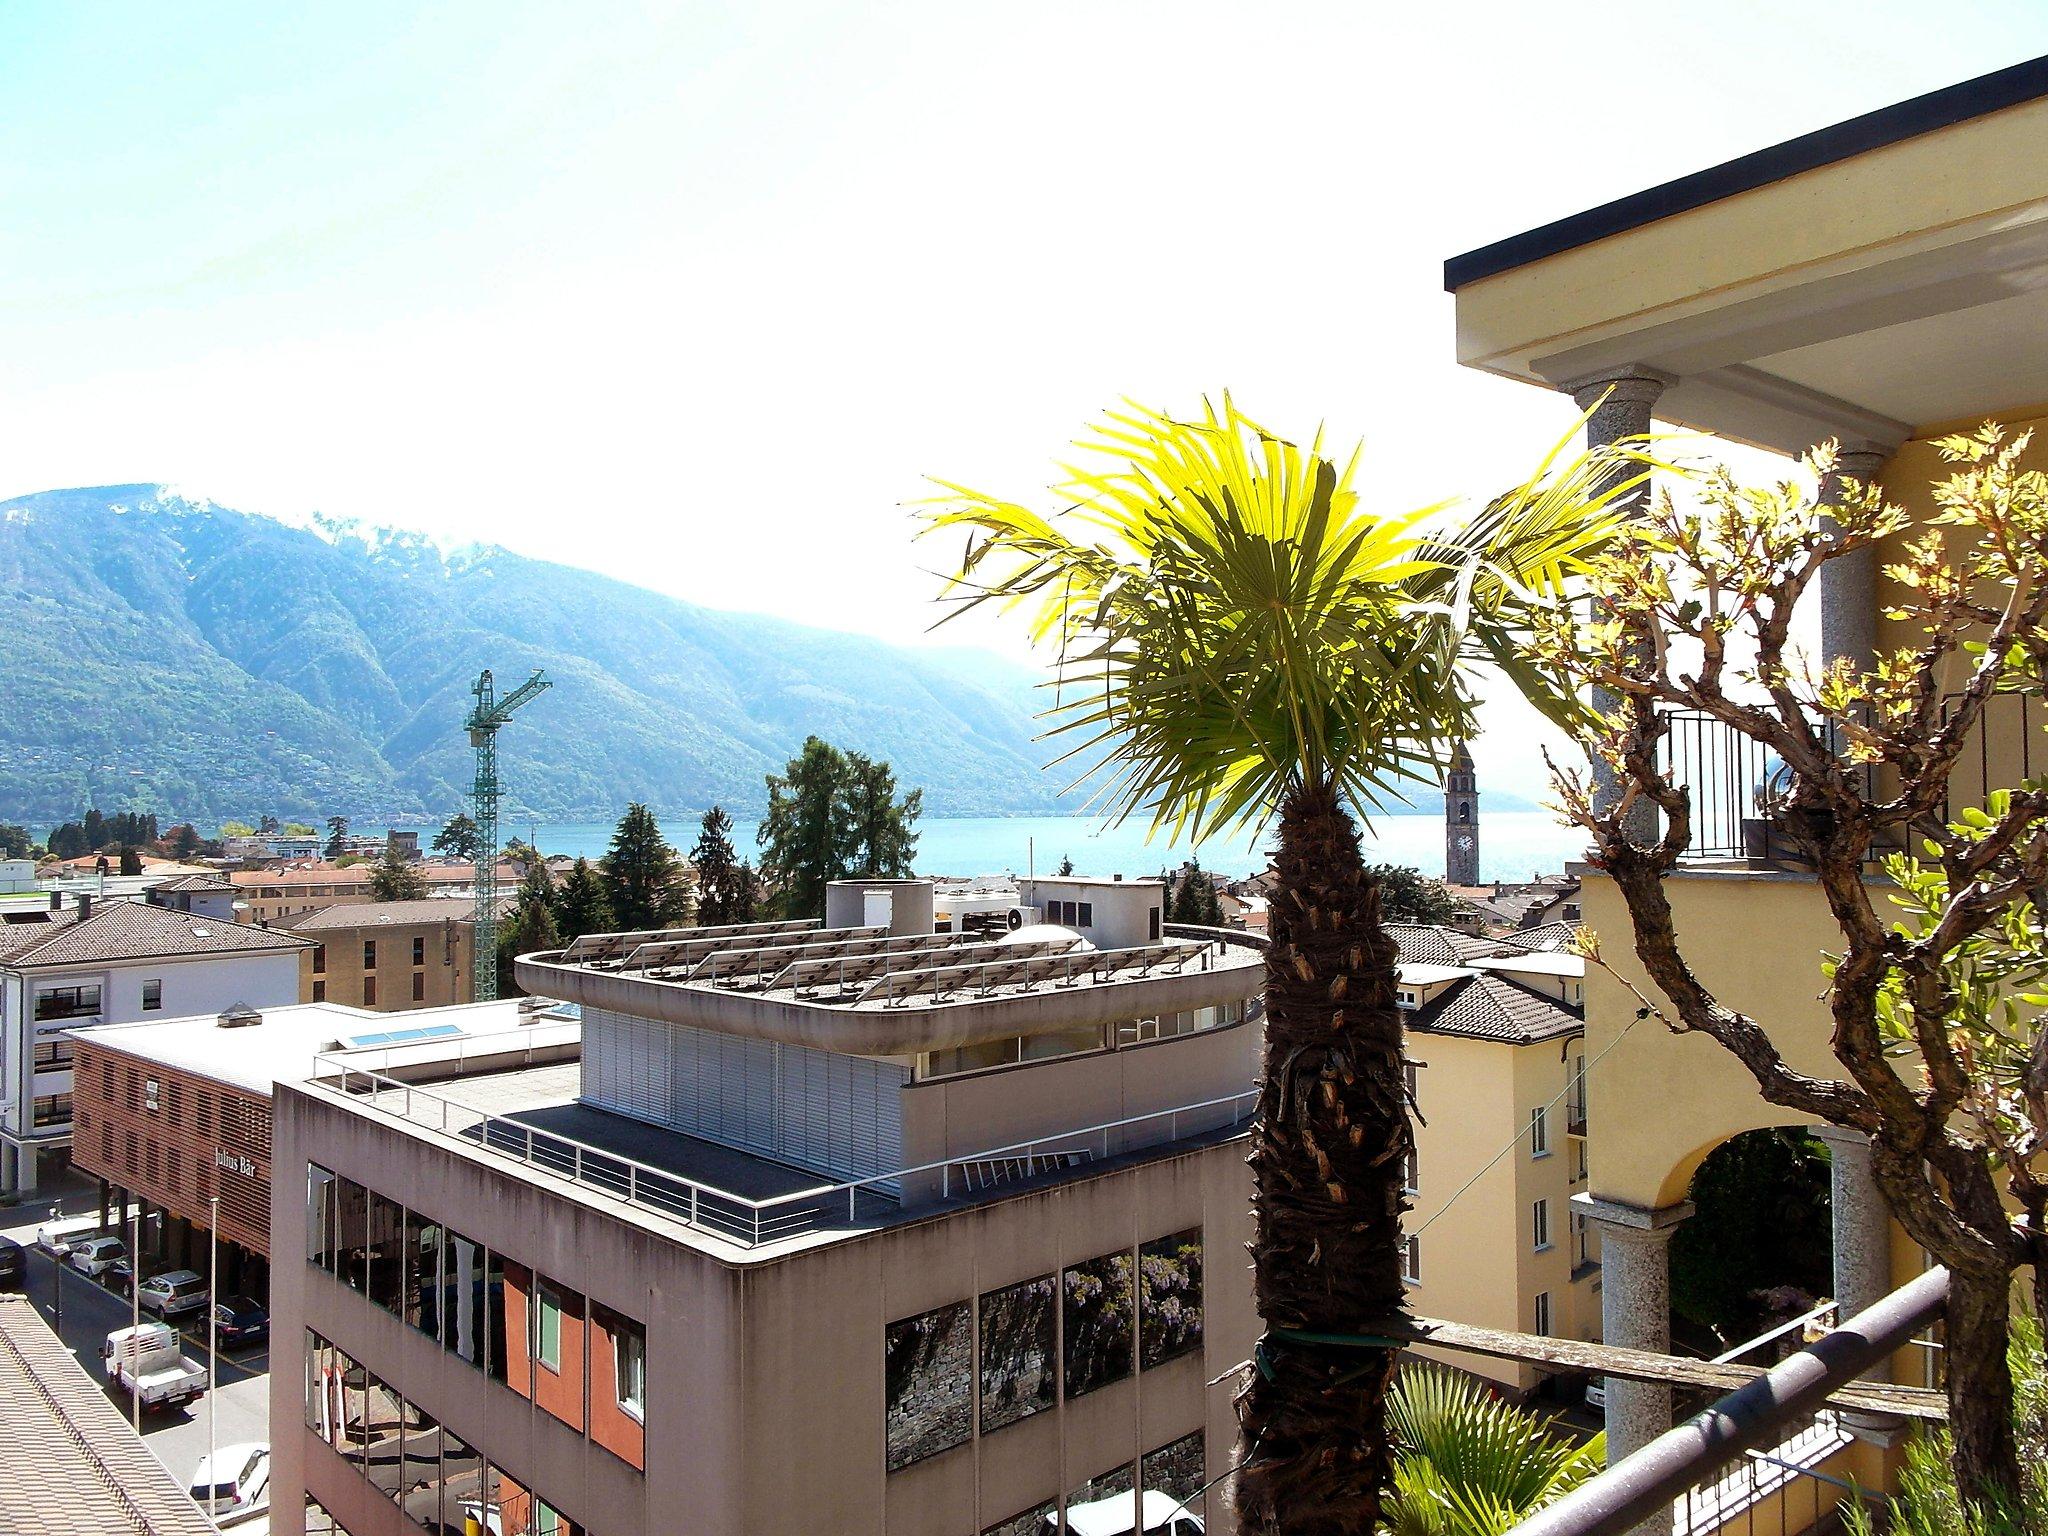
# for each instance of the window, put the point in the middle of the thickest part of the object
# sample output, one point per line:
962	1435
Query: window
369	954
319	991
1411	1262
1169	1298
1578	1161
67	1002
319	959
629	1370
1543	1313
1413	1079
1179	1471
53	1109
420	1275
369	991
1097	1307
1539	1132
204	1102
386	1254
1087	914
52	1055
107	1081
545	1330
1411	1175
1018	1358
419	951
928	1385
419	986
1155	925
1581	1248
152	996
106	1143
1539	1224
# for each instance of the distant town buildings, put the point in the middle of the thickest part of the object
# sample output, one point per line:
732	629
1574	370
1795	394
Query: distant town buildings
277	895
111	962
391	955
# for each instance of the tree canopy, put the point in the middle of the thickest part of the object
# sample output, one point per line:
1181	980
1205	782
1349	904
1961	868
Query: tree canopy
642	879
834	815
581	905
396	878
457	838
1409	896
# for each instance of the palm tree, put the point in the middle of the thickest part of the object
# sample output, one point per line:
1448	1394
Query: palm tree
1466	1464
1238	640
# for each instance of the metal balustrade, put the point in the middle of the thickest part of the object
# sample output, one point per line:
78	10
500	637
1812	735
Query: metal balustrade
739	1218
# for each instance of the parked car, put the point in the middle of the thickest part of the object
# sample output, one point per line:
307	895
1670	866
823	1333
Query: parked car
93	1255
238	1320
1596	1394
56	1237
172	1293
148	1363
118	1277
13	1262
1120	1514
235	1477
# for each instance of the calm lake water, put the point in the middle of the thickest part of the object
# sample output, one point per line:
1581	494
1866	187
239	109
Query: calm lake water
1513	845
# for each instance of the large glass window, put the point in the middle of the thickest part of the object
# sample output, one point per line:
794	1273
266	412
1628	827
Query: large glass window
1098	1308
386	1253
463	1299
1170	1310
420	1277
928	1364
460	1484
1017	1359
351	1231
419	1482
1030	1522
1178	1470
495	1361
67	1002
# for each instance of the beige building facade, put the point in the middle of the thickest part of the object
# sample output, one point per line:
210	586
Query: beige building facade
391	955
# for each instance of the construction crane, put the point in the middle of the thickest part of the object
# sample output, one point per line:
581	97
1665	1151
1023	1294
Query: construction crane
490	713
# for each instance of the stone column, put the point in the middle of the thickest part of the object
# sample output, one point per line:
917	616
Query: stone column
1621	400
1863	1259
1848	585
1635	1313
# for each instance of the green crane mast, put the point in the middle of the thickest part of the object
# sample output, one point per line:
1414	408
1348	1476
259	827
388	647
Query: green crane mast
482	725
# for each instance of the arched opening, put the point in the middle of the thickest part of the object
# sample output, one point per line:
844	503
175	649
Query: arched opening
1757	1249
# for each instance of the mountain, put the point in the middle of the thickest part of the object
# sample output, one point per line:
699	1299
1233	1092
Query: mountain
168	654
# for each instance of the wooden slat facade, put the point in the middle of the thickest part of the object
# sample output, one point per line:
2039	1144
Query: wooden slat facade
176	1147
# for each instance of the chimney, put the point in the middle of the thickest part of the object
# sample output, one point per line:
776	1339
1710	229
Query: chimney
56	901
84	905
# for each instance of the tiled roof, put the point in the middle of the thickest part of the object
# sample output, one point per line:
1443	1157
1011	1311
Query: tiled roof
194	883
1433	944
1490	1007
360	874
373	914
131	930
1553	937
74	1466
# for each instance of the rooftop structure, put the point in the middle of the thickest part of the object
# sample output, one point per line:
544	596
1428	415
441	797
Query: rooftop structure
75	1467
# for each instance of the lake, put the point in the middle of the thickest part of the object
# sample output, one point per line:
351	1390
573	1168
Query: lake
1513	845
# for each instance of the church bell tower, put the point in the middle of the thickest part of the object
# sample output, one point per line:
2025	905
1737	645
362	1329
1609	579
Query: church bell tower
1461	820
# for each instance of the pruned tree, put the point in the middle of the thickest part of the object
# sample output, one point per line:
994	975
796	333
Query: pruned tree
1934	995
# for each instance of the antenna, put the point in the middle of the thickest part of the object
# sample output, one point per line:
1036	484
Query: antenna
490	713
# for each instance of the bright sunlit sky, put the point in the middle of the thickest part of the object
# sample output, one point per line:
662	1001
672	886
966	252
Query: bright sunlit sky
694	296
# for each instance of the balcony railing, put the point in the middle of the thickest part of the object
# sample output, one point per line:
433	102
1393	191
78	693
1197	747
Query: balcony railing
1759	1441
750	1222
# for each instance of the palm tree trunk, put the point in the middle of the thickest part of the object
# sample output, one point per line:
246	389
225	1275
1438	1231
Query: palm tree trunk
1329	1149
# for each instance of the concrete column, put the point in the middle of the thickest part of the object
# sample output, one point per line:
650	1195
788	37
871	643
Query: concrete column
1862	1253
1621	401
1635	1313
1848	585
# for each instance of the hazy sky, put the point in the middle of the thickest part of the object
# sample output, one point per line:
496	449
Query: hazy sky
694	296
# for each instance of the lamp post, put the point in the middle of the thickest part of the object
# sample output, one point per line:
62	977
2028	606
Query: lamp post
212	1340
135	1313
56	1285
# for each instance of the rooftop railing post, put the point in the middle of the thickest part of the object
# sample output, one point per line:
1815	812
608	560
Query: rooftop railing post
632	1184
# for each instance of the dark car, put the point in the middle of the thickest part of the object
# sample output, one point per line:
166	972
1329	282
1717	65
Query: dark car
238	1320
118	1276
13	1263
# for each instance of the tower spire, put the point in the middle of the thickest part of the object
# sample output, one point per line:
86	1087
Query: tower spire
1461	819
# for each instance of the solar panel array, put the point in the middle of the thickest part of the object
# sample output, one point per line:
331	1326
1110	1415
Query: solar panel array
809	976
597	948
1066	969
769	966
683	956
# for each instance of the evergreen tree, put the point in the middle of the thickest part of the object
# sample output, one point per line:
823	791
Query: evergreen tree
1066	867
396	878
806	838
183	840
337	836
68	841
1409	896
15	843
642	880
457	837
131	859
880	827
95	830
581	905
266	825
718	868
531	925
746	900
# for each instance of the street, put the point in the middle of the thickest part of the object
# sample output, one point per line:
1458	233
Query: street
240	1407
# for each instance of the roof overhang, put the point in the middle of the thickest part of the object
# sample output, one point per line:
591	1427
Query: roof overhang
1863	284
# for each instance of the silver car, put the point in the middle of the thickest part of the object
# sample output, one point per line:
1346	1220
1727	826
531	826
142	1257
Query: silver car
172	1293
96	1255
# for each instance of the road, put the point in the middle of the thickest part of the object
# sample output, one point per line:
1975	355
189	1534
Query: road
240	1405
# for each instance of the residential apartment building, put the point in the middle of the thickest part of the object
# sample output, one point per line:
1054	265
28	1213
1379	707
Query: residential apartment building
1496	1052
391	955
1878	284
171	1113
111	962
275	896
859	1228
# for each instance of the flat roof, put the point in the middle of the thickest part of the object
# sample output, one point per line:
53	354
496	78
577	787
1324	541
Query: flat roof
866	992
282	1047
75	1467
2009	87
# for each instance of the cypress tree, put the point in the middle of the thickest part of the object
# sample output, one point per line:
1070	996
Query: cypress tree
718	869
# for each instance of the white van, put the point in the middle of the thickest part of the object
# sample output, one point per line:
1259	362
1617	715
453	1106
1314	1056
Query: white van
1120	1514
56	1237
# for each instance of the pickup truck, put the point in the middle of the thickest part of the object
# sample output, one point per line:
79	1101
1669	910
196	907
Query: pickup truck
147	1362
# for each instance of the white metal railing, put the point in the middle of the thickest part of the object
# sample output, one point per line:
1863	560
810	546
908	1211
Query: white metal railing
515	1046
721	1212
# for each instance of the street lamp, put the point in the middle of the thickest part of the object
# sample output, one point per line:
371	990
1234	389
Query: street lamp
56	1281
213	1336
